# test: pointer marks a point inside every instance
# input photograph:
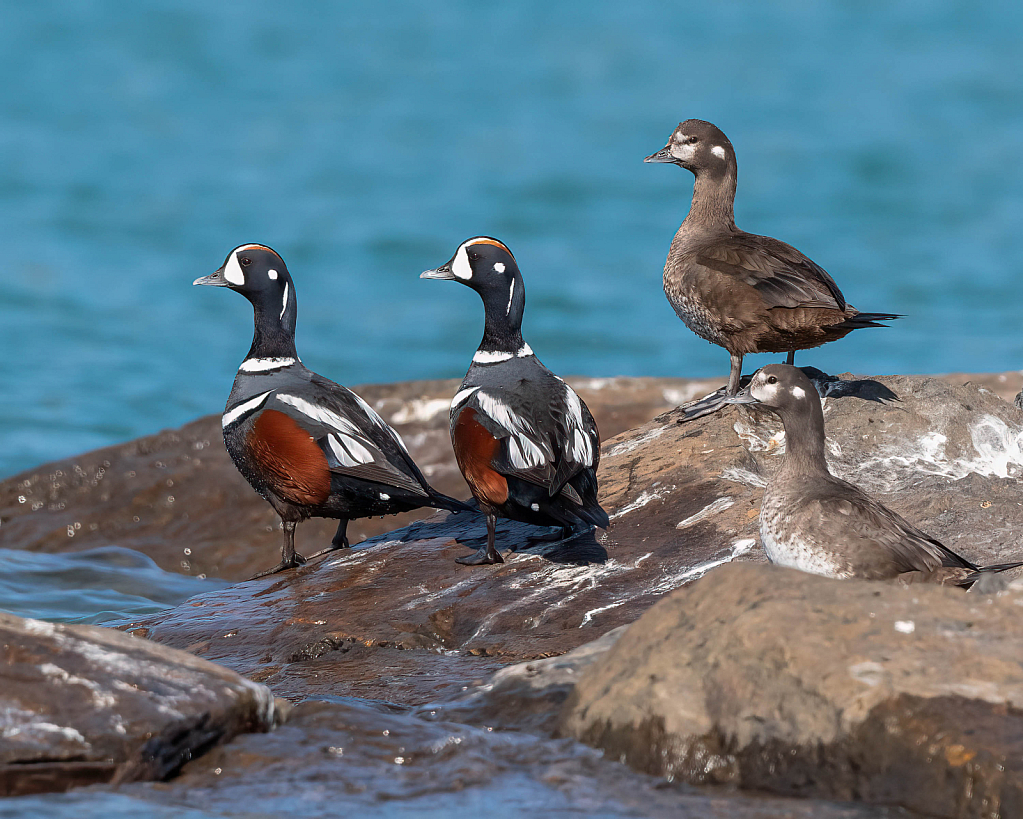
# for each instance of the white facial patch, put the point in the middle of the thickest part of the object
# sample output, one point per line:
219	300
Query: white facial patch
460	266
718	151
499	267
233	271
272	273
285	305
799	392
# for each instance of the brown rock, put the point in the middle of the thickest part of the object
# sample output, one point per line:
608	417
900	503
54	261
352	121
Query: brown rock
82	704
776	680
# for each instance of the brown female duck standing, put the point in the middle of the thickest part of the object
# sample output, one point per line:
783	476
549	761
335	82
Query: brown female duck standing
746	293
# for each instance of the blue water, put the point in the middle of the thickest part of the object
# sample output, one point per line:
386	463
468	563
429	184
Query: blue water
141	141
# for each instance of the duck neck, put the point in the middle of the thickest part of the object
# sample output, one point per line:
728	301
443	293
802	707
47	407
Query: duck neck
805	451
713	200
274	333
502	331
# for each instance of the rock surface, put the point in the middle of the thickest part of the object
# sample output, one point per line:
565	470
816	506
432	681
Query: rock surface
772	679
396	619
82	704
177	497
378	760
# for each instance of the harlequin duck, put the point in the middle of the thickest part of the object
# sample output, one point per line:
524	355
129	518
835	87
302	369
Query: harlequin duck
525	442
813	521
309	446
746	293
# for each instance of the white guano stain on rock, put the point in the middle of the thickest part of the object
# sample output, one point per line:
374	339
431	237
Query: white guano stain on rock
745	477
673	581
643	499
420	410
635	443
720	505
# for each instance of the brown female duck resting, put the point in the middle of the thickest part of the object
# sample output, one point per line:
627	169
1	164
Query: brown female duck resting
746	293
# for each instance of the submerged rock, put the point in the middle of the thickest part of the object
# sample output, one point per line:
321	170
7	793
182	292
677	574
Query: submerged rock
776	680
81	705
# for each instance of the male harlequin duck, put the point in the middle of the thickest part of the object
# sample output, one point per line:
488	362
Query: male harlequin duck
813	521
746	293
525	442
309	446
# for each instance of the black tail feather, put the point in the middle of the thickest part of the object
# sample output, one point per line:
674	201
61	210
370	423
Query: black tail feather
861	320
439	501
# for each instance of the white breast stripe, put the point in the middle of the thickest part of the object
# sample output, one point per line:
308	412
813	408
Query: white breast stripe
262	365
285	305
244	408
462	396
318	413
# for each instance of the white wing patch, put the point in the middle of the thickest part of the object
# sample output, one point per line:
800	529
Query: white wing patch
348	451
245	407
524	454
579	446
318	413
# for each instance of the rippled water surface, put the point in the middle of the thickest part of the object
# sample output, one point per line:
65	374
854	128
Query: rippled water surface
365	140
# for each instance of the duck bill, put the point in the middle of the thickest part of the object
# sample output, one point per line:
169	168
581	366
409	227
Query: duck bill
741	397
663	155
442	272
215	279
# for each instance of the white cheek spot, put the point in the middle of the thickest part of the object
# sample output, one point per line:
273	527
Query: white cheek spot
799	392
460	267
271	273
718	151
233	271
499	267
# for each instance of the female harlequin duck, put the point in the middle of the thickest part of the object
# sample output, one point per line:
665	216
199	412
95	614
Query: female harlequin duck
746	293
309	446
813	521
525	442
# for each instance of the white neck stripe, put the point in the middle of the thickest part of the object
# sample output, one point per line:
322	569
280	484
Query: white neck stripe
262	365
285	306
244	408
497	356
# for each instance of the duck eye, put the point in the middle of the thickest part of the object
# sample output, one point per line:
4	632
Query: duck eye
246	261
771	379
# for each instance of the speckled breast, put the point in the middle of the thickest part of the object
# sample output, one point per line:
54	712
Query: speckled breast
690	308
787	545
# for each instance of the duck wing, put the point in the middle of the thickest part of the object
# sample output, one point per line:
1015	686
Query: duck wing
545	441
782	275
851	512
356	441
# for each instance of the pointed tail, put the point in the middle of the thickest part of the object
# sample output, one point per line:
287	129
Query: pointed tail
861	320
439	501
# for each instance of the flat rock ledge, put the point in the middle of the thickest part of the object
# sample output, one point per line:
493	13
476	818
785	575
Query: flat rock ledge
81	705
775	680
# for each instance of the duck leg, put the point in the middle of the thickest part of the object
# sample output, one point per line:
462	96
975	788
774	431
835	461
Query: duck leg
340	540
791	360
735	374
486	555
290	559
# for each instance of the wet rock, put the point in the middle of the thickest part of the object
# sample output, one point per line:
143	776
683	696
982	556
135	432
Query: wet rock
395	619
177	497
82	704
772	679
377	760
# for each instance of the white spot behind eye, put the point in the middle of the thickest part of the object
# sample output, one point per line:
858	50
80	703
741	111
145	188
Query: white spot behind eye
233	271
271	273
499	267
460	266
799	392
718	151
